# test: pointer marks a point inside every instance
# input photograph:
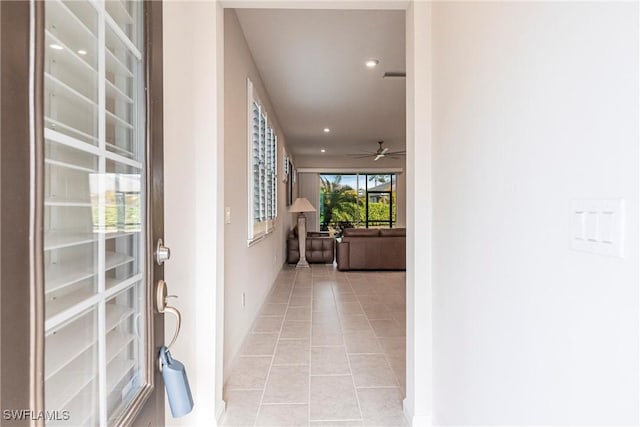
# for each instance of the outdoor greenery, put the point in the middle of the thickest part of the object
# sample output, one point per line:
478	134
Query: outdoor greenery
342	205
121	212
339	202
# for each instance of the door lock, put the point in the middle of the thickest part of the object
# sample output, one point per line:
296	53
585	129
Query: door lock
163	253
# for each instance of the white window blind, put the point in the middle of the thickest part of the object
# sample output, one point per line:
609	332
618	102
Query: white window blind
262	167
271	182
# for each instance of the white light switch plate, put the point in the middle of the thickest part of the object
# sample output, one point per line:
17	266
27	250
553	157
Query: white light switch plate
597	226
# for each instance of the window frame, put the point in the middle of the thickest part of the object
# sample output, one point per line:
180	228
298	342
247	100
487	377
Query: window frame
262	224
364	178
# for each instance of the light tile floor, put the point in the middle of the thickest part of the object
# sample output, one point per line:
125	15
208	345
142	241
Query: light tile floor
327	349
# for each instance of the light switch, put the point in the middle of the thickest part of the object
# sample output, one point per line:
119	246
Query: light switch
579	225
591	226
606	225
597	226
227	215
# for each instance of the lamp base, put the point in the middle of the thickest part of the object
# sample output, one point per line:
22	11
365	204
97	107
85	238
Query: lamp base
302	264
302	241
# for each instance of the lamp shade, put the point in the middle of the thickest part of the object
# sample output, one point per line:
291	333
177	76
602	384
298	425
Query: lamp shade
301	205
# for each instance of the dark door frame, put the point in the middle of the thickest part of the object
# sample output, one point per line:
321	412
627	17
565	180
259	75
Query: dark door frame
148	408
21	208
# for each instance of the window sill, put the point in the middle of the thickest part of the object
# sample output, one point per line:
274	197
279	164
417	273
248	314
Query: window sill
259	238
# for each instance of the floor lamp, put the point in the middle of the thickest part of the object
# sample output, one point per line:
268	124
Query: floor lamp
300	206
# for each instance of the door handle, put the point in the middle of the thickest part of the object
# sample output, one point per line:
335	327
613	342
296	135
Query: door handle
163	307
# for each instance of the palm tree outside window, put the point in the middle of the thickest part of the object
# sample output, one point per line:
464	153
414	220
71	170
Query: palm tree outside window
357	200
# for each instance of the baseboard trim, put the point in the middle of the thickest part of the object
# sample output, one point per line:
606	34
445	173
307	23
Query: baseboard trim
421	421
220	413
416	420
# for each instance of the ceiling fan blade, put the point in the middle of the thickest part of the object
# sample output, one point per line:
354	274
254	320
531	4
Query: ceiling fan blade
378	154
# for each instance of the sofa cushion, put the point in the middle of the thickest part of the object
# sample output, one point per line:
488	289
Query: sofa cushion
372	249
393	232
318	249
361	232
318	234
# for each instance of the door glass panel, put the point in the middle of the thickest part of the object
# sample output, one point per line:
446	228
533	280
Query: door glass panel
121	66
123	220
125	367
71	370
125	14
71	70
95	284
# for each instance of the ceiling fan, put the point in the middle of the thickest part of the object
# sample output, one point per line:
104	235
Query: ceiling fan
382	152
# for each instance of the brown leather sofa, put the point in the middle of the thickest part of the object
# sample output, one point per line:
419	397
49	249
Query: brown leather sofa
372	249
320	248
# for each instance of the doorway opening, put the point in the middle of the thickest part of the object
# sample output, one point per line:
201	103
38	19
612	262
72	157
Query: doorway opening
202	246
370	199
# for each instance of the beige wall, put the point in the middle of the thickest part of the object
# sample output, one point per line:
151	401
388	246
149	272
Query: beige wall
535	105
193	191
249	270
347	162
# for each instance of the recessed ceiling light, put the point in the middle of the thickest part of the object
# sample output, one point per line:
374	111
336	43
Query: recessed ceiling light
322	150
82	52
327	130
372	63
56	46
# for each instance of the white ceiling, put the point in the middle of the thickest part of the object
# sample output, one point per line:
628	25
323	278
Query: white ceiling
312	64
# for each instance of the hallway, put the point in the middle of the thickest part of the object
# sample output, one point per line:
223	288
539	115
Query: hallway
328	349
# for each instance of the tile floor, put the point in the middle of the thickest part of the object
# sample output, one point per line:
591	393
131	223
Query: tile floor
327	349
